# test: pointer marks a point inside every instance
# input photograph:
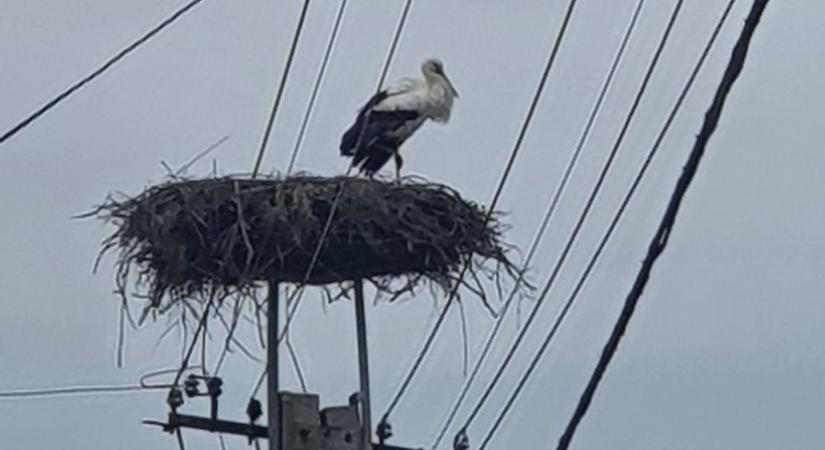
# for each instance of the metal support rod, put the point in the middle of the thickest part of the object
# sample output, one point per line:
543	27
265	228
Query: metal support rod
363	362
177	421
273	403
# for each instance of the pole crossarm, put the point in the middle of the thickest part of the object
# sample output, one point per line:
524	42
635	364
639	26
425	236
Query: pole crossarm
176	421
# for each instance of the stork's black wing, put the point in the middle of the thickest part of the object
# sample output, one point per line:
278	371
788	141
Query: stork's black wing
371	125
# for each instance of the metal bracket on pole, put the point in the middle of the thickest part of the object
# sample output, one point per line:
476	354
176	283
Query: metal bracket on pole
294	420
273	403
363	361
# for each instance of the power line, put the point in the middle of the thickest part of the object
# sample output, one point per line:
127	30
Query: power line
92	389
660	239
325	232
296	149
201	326
267	132
73	390
577	228
99	71
279	94
384	71
262	149
297	295
394	46
614	222
496	196
597	106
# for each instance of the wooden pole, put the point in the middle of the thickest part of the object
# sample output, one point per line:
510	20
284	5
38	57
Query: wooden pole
273	403
363	362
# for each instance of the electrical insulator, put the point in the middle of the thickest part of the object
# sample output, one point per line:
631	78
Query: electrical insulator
190	386
175	398
461	442
213	386
383	431
254	410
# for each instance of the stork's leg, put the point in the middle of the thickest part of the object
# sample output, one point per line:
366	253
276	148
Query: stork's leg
398	163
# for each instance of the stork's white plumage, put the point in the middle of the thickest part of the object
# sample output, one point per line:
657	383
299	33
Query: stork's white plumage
394	114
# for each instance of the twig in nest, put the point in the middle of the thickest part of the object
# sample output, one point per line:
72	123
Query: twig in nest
186	240
229	233
230	339
465	350
296	363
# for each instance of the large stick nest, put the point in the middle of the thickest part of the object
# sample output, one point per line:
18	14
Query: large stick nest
230	233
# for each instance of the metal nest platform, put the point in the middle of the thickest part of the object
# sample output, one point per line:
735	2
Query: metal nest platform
227	234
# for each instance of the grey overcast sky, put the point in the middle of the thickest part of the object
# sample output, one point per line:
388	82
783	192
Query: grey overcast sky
726	350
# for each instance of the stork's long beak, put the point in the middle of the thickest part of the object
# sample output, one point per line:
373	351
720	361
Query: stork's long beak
452	88
449	83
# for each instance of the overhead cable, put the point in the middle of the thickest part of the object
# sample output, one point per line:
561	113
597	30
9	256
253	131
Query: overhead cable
496	196
614	222
99	71
322	70
295	298
276	103
577	228
660	239
549	213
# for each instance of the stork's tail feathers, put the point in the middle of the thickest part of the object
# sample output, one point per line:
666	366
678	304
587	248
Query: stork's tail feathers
347	146
373	158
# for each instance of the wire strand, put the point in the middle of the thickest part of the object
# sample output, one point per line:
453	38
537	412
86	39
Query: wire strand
583	138
614	222
188	355
297	295
296	149
92	389
577	228
296	363
394	46
73	390
99	71
496	196
281	86
265	139
660	239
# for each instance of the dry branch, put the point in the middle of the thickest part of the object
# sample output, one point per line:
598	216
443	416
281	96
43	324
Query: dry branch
222	236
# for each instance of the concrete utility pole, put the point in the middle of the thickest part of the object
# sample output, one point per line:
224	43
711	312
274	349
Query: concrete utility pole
296	421
273	402
363	361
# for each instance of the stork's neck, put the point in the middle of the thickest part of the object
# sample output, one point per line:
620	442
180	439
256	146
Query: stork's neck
433	79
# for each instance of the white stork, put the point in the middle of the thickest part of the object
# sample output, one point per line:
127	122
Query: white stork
393	114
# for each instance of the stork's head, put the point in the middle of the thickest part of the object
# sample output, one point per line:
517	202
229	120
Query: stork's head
433	70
